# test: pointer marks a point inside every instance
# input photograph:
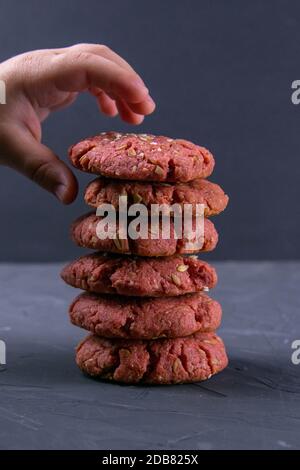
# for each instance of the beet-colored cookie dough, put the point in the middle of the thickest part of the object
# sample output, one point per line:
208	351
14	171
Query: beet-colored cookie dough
164	361
83	233
142	157
107	191
143	318
150	277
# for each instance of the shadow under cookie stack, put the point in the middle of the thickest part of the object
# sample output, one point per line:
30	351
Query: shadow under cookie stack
144	302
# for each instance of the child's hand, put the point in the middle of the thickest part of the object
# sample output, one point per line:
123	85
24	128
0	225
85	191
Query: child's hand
40	82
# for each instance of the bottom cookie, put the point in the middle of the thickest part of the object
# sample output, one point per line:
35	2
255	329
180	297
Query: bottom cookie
163	361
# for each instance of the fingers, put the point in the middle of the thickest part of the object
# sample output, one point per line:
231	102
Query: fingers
106	104
103	51
78	71
40	164
133	114
145	107
95	67
89	67
127	115
109	106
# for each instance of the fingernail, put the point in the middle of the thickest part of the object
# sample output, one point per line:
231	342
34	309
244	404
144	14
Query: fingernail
150	100
60	192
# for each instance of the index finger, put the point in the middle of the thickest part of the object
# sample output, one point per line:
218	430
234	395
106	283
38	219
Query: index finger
104	51
77	71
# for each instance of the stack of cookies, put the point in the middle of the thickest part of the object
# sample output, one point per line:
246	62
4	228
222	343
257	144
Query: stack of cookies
144	302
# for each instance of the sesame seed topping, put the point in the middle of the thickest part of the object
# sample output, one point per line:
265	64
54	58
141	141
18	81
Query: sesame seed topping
176	279
131	152
182	268
158	170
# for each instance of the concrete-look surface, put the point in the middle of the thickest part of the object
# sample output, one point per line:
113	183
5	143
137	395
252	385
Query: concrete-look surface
46	402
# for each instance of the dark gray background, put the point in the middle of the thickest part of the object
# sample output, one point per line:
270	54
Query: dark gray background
46	403
221	73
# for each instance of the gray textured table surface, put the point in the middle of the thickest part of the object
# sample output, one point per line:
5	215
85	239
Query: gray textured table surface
46	403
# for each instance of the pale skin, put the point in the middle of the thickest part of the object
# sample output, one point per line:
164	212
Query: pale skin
40	82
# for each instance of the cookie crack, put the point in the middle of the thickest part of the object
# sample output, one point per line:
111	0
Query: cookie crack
208	359
171	168
127	325
153	360
108	371
161	278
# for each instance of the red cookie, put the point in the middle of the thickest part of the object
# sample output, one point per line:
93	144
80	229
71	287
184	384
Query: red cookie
107	191
146	277
142	157
145	318
163	361
83	233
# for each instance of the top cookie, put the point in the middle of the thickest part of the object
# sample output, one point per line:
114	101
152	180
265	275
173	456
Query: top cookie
142	157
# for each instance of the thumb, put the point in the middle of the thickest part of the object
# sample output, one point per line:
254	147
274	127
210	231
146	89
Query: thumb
36	161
